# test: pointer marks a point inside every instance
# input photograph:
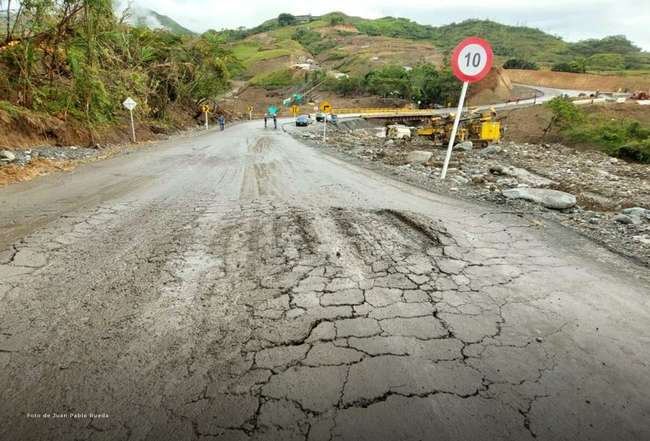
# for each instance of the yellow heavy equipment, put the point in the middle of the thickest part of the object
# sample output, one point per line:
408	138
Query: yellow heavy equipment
480	128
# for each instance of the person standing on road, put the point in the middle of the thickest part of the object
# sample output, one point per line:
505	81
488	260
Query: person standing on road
275	121
222	122
265	119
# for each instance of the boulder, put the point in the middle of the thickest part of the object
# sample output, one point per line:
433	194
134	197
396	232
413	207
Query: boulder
623	219
637	213
460	180
497	169
418	156
490	150
554	199
465	145
7	156
529	178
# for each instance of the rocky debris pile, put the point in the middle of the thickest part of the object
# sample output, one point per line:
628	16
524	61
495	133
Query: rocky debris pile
24	157
605	198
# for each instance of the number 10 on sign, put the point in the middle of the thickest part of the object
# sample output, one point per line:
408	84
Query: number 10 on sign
471	61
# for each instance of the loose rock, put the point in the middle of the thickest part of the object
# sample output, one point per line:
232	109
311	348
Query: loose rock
554	199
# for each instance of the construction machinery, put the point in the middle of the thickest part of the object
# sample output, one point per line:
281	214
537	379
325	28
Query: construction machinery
480	128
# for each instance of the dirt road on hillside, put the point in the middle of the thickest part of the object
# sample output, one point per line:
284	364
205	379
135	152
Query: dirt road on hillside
243	286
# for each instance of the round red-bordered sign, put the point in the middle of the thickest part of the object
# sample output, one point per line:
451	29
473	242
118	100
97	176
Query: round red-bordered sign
472	59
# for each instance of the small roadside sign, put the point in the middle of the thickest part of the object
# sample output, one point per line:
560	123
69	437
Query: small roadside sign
325	107
471	61
295	110
130	104
205	108
250	112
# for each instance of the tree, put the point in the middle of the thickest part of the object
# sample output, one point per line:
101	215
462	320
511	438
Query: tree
518	63
336	19
565	113
606	62
430	86
577	66
389	81
285	19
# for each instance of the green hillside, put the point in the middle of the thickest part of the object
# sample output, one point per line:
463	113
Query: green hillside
614	53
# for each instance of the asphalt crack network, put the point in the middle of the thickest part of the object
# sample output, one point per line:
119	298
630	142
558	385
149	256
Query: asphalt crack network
284	323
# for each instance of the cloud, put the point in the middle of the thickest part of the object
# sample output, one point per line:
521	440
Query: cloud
571	19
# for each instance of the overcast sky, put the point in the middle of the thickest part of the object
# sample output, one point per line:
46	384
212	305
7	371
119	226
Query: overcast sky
571	19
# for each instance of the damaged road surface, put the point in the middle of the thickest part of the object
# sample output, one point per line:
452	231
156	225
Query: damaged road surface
242	286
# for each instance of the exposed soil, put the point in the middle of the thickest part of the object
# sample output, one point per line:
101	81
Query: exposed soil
565	80
29	129
495	88
38	167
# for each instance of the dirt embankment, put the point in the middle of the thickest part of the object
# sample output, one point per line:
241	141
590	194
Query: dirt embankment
565	80
25	129
495	88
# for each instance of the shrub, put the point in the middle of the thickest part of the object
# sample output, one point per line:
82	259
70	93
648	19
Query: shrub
517	63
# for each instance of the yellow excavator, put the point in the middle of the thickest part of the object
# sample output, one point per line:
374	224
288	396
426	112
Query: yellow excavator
480	128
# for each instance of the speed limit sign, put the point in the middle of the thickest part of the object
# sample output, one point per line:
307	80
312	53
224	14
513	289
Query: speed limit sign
471	61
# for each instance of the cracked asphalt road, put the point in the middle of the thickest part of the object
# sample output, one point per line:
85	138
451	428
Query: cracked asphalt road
242	286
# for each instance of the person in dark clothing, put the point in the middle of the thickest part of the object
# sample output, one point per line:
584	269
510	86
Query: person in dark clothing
265	119
222	122
275	121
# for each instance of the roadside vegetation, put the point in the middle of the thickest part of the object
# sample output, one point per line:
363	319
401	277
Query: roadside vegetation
424	84
624	138
76	60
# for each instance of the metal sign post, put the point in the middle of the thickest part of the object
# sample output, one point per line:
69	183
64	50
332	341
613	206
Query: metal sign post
454	131
130	104
471	61
206	111
326	108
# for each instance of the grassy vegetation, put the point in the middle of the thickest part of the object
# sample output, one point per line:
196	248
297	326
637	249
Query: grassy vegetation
279	79
623	138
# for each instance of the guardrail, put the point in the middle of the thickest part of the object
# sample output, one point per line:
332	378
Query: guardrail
370	110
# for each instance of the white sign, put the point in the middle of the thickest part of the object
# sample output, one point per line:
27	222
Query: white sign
471	61
129	103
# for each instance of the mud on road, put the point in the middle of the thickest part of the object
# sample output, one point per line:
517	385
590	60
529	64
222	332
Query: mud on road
243	286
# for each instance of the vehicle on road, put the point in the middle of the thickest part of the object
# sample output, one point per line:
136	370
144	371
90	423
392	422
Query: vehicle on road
303	121
320	117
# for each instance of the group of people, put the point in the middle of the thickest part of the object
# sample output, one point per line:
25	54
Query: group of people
222	121
275	120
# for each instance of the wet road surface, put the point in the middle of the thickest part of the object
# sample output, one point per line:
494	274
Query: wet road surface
243	286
